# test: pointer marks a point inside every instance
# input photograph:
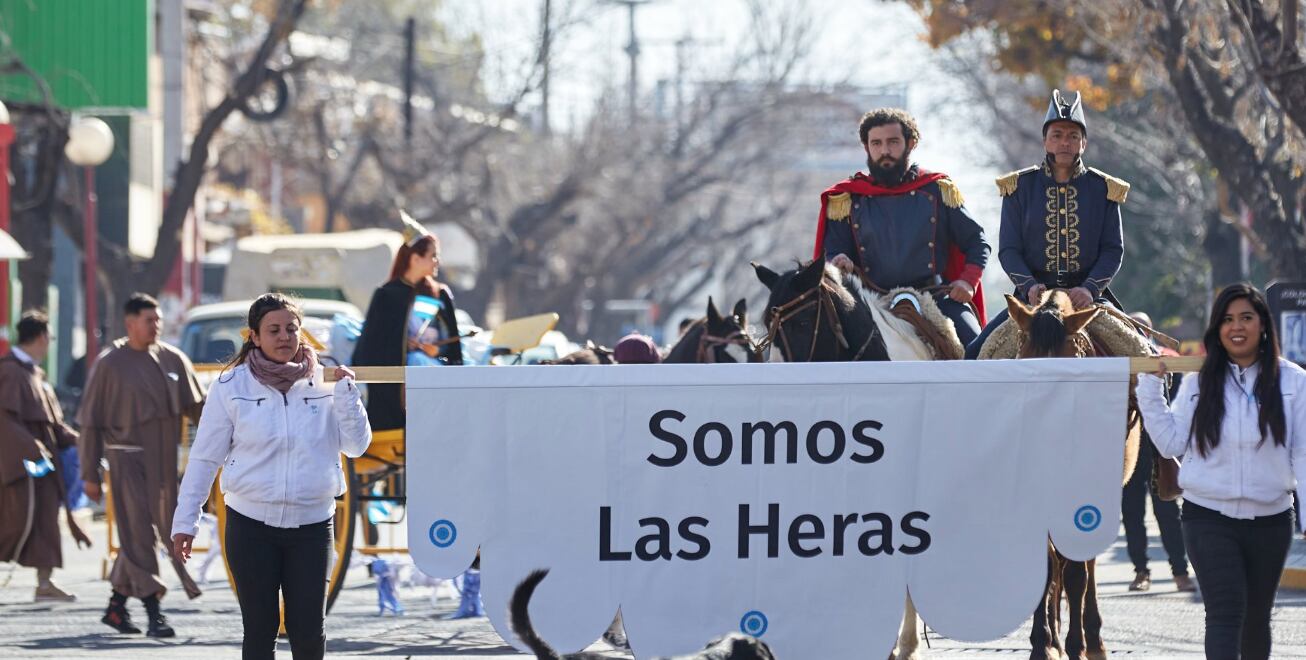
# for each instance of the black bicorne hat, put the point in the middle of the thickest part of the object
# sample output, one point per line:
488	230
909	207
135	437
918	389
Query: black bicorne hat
1061	110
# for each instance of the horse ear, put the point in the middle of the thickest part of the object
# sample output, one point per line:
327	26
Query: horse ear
767	276
741	311
1019	313
810	276
1079	320
713	316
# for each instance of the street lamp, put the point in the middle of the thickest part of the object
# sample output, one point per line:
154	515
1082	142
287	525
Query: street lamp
6	139
90	142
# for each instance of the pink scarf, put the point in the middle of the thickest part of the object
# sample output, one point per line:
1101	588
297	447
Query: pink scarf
281	375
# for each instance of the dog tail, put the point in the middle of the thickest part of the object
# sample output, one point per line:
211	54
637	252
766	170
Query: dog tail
520	617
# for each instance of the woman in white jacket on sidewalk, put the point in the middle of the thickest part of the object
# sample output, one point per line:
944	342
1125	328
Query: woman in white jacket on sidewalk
276	430
1241	429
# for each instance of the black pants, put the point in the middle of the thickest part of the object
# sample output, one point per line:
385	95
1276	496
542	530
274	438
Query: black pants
1238	564
1133	509
963	318
269	561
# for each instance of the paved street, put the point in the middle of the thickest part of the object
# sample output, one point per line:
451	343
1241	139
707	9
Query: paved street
1158	624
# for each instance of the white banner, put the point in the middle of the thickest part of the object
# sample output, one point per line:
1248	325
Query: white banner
795	502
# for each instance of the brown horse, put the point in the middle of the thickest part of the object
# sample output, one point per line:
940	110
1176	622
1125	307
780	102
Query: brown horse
1056	329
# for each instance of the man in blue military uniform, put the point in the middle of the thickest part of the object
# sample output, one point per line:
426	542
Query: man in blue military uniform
903	226
1061	225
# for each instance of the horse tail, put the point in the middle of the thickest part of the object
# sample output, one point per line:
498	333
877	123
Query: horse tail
519	616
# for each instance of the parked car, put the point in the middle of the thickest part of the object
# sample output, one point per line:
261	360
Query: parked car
211	334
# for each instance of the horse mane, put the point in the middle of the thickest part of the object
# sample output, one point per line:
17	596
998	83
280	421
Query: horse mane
1047	331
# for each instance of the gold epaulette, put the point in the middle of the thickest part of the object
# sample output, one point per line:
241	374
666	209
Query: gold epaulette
951	193
1116	189
1007	182
838	206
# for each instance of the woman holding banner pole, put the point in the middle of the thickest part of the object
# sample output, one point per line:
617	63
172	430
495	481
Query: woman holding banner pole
1241	427
276	429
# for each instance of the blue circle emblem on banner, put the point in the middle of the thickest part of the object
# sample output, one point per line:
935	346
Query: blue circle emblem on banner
1087	518
754	623
443	533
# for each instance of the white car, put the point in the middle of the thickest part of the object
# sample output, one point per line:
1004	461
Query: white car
211	334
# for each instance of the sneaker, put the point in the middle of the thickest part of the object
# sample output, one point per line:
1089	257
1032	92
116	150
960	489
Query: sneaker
1142	581
49	593
1184	583
159	627
116	617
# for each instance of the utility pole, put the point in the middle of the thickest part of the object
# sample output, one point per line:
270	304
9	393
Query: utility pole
632	51
410	37
545	44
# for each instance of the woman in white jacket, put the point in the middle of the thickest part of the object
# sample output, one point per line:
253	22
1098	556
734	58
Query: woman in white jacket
1241	429
276	430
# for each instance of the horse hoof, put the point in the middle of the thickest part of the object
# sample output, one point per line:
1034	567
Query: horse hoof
1099	654
1049	653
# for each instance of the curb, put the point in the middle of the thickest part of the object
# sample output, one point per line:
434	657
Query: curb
1293	578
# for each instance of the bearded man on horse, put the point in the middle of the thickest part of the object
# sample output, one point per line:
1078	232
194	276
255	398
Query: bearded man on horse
902	226
1061	226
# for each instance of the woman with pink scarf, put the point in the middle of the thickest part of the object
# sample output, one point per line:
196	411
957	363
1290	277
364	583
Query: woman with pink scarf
276	430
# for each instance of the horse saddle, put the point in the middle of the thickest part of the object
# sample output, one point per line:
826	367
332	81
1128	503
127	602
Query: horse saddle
908	305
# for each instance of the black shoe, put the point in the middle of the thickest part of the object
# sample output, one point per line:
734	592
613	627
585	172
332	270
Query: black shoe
116	617
159	627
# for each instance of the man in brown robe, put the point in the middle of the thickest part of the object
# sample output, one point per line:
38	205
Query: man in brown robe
32	432
131	414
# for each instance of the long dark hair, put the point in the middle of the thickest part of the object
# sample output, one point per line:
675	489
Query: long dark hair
1209	415
427	285
268	302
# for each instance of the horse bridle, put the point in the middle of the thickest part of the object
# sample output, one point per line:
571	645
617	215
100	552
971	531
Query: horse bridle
708	341
821	297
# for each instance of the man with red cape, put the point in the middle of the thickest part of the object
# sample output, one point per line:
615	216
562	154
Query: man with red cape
901	226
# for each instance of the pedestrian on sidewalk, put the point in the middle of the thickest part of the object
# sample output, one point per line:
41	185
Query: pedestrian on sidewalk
131	414
1133	509
1241	427
276	429
32	433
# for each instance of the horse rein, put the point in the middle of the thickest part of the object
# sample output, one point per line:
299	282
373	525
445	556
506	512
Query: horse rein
821	297
708	341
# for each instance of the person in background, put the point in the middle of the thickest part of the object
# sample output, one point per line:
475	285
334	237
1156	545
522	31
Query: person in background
131	413
276	429
411	320
1240	425
1133	510
32	433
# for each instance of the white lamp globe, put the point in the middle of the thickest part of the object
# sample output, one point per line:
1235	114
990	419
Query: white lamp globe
90	142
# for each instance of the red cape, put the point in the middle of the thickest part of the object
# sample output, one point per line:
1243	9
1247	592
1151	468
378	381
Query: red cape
861	186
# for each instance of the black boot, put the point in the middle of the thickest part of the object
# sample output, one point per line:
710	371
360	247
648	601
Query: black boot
117	617
158	624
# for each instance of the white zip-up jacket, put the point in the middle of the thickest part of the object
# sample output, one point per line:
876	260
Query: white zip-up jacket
279	454
1240	477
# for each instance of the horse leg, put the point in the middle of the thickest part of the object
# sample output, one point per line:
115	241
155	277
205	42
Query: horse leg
908	640
1043	640
1076	581
1093	617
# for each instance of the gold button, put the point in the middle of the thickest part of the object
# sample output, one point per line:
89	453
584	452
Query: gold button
857	226
862	249
1063	255
1063	232
854	204
933	220
1063	211
931	264
1062	189
931	243
913	193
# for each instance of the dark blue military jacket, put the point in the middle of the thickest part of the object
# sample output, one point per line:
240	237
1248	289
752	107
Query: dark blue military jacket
904	240
1061	235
